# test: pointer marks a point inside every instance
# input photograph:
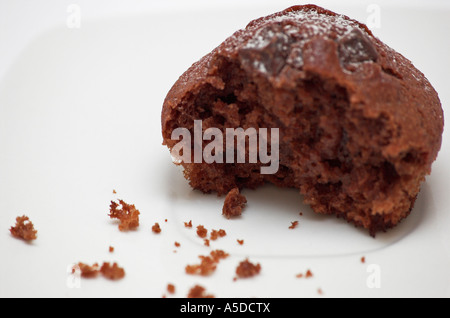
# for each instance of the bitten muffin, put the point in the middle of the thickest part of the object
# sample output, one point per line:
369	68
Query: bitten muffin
359	125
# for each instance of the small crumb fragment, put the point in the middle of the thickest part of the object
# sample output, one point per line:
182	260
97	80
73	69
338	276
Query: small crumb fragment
201	231
87	271
188	224
217	255
198	292
171	288
111	249
363	259
114	191
177	244
206	242
293	225
216	234
301	213
23	229
247	269
128	215
308	274
240	242
113	272
207	265
156	228
319	291
234	204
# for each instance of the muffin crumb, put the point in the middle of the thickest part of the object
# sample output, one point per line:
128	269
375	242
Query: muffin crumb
201	231
247	269
156	228
113	272
24	229
198	292
293	225
171	288
87	271
128	215
207	265
216	234
234	204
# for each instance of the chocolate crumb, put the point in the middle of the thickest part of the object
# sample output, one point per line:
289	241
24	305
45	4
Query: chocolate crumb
201	231
247	269
113	272
234	204
87	271
171	288
207	265
24	229
156	228
128	215
293	225
198	292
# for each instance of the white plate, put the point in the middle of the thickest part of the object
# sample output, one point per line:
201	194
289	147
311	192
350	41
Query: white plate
80	116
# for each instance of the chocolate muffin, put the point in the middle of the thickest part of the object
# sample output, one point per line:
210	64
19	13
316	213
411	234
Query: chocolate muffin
359	125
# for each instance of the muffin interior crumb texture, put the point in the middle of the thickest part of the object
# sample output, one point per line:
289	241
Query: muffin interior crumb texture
359	125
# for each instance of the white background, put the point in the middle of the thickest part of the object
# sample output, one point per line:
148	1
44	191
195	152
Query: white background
80	116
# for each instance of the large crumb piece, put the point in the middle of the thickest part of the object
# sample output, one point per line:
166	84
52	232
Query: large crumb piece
23	229
234	203
113	272
198	292
247	269
128	215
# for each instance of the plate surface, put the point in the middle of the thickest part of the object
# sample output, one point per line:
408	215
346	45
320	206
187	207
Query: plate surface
80	117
